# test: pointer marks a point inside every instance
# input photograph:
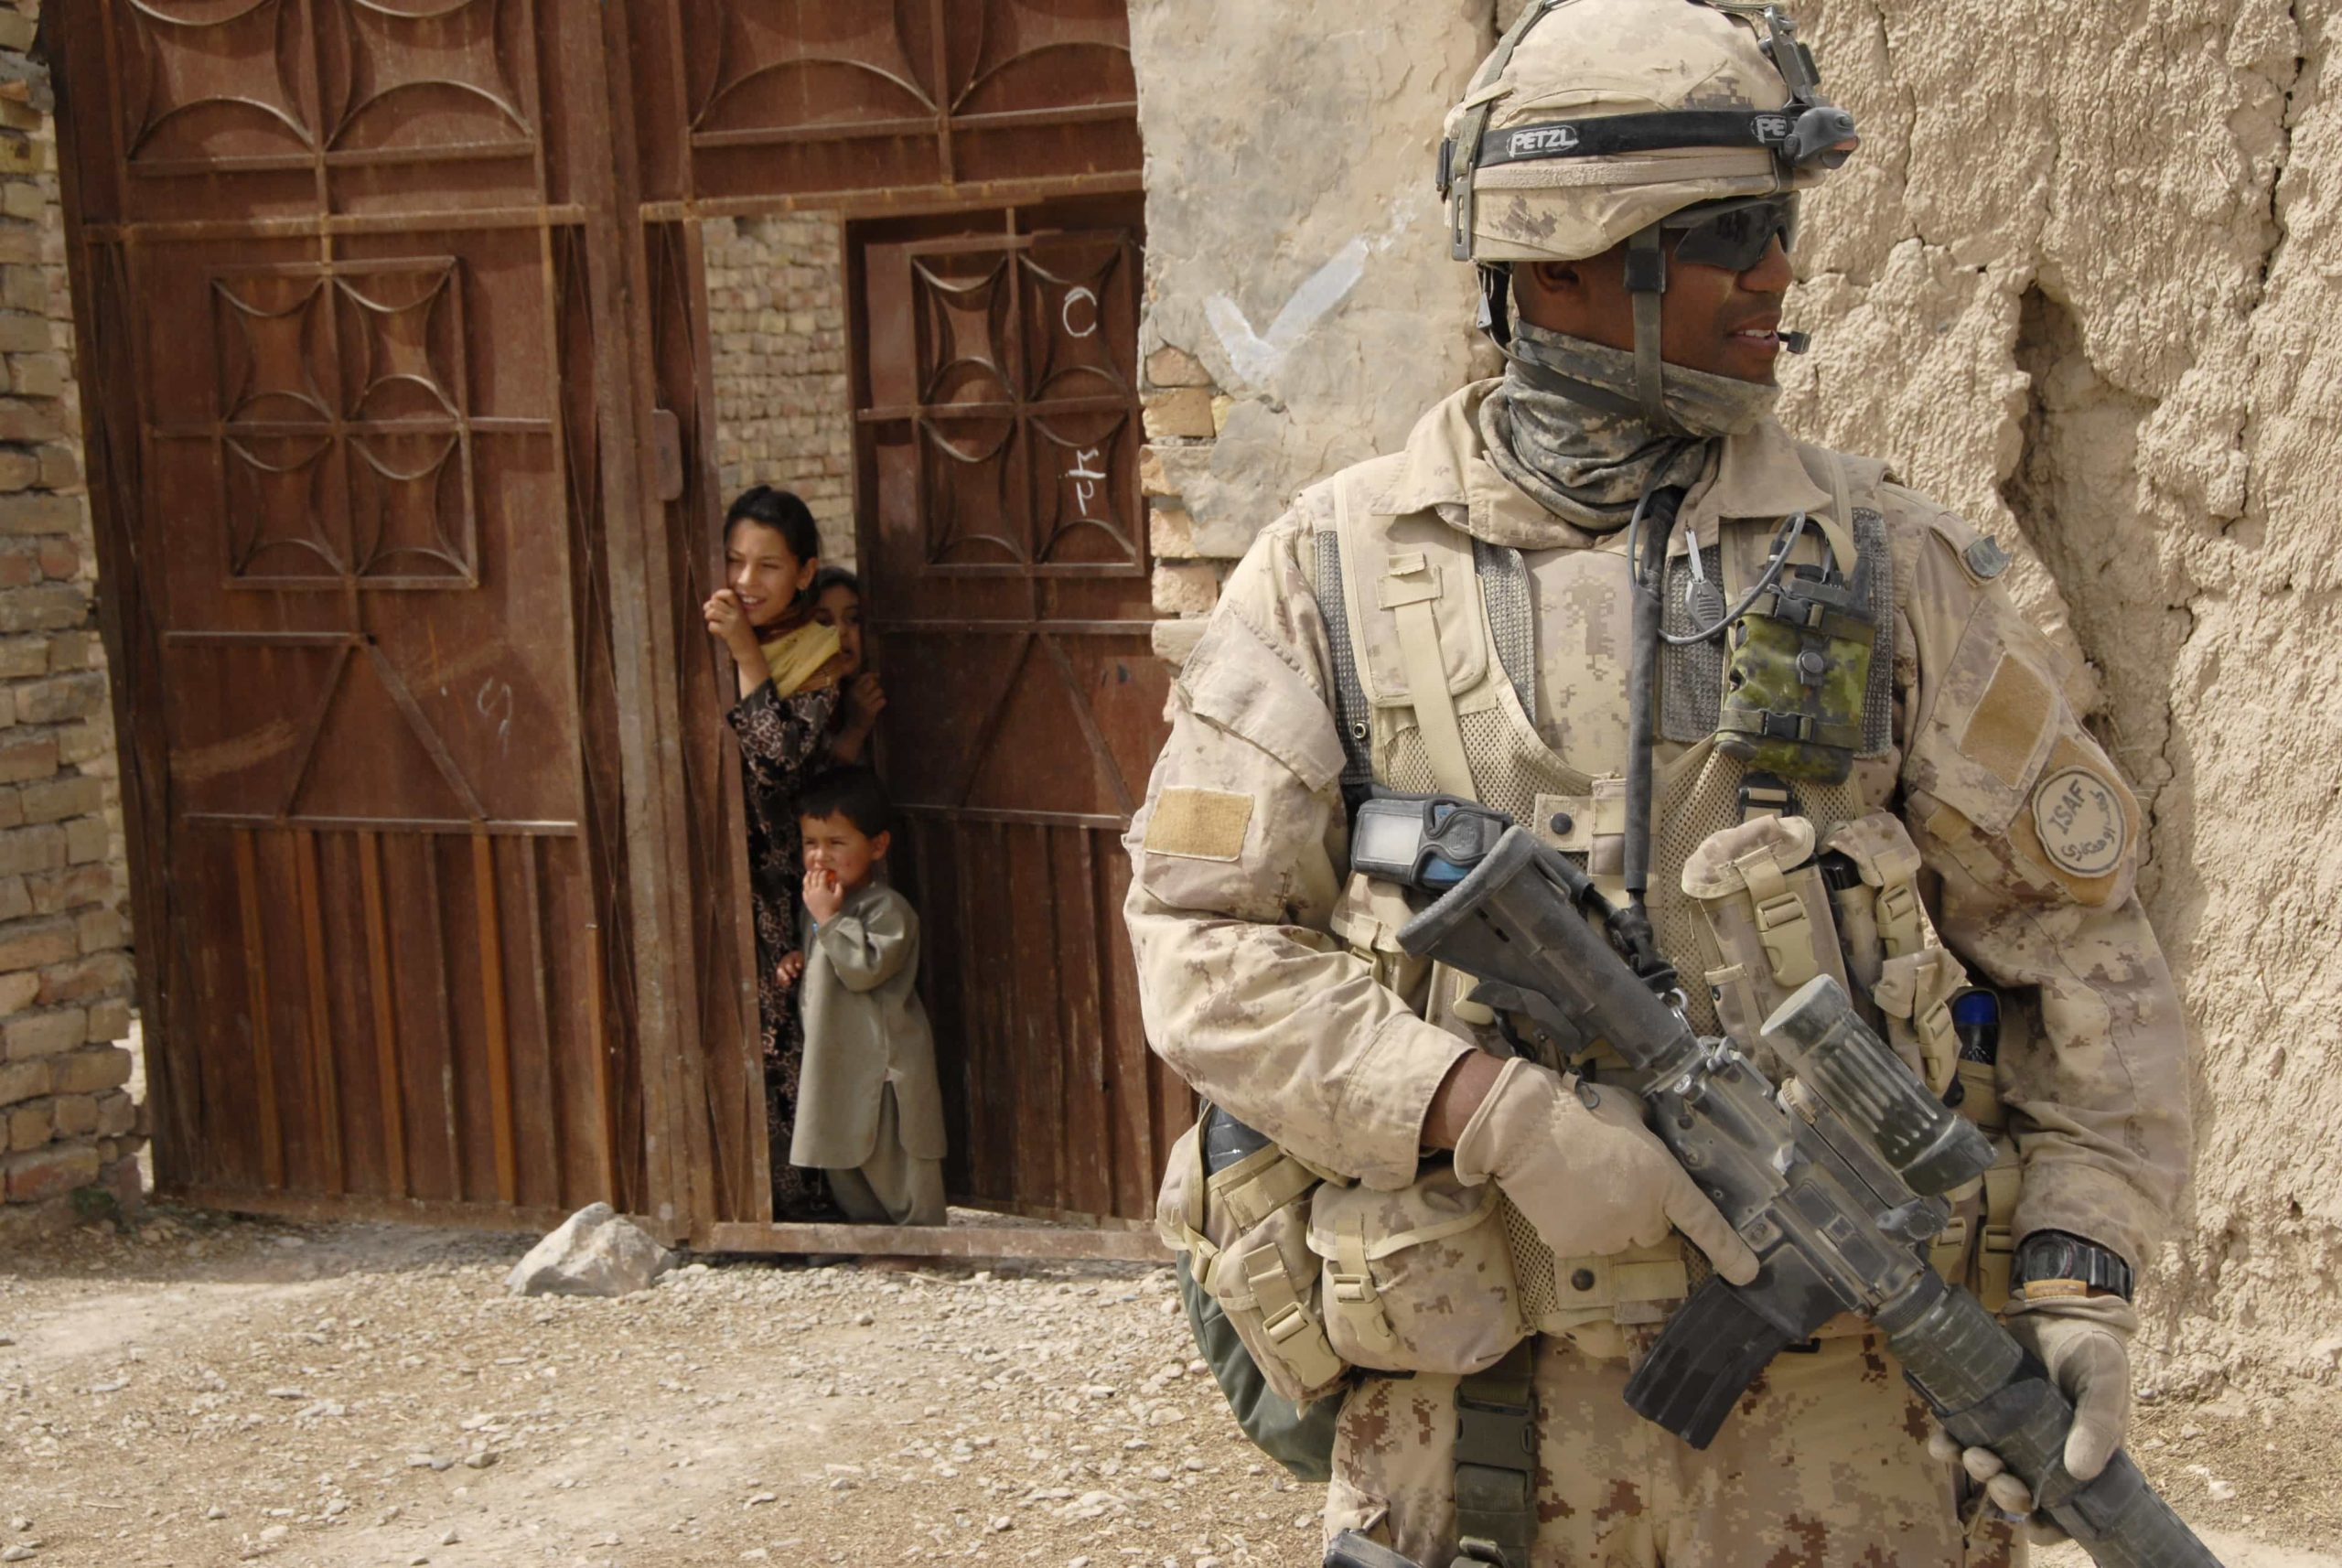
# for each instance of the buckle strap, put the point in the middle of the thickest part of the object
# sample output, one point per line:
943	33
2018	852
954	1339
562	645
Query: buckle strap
1409	589
1900	928
1775	724
1351	1294
1496	1460
1352	716
1299	1337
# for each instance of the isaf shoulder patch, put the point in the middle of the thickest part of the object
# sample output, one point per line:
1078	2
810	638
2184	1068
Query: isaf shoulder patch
1199	825
2080	821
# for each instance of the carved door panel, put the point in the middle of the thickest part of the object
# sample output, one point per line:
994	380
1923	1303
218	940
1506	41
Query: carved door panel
329	288
856	104
1004	542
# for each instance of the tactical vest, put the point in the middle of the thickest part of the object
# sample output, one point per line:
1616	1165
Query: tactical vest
1759	881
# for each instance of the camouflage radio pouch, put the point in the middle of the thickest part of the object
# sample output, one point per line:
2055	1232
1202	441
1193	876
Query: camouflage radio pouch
1799	682
1797	672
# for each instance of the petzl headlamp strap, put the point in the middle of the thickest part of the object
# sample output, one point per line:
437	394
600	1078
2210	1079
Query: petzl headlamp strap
1612	135
1460	155
1798	134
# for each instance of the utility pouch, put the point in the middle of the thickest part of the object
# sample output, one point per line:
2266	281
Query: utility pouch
1419	1280
1796	668
1245	1233
1367	920
1768	926
1915	992
1914	975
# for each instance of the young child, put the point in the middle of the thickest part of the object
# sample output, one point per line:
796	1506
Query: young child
869	1111
763	615
837	604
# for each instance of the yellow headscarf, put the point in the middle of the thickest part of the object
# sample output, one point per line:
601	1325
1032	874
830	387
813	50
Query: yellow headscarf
793	657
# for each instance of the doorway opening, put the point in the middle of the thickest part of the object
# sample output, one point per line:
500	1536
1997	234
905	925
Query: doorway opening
956	398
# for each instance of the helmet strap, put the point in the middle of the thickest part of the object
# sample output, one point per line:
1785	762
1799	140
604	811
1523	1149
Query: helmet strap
1647	284
1496	304
1459	154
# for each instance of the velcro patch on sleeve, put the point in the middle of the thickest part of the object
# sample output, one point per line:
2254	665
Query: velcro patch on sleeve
2010	717
1199	825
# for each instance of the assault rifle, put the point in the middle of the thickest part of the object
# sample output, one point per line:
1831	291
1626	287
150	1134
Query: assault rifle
1835	1177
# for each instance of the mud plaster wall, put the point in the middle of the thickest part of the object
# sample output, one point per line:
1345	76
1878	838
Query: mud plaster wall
2084	282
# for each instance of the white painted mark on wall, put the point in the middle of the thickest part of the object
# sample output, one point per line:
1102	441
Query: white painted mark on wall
1070	312
1085	478
496	702
1256	357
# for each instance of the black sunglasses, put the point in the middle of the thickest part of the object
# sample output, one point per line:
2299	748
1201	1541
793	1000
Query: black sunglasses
1734	237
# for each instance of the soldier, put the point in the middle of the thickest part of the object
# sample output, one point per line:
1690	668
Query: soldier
1849	753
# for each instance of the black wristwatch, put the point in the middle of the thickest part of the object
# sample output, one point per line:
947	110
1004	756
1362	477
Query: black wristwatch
2054	1255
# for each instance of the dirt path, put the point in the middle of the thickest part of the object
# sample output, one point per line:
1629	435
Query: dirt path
210	1391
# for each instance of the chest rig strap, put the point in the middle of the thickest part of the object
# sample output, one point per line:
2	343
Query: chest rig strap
1352	718
1418	586
1410	587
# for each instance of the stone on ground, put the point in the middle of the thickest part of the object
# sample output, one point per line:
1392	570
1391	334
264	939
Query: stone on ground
595	1251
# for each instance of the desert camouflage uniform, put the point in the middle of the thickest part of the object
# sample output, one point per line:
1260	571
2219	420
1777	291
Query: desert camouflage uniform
1238	874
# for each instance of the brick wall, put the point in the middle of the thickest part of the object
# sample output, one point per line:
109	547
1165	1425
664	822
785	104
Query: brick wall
67	1123
1185	413
777	316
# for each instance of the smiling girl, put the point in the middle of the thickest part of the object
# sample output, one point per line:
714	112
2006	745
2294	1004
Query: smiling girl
788	670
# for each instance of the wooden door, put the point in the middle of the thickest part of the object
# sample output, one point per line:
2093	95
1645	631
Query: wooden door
335	308
392	337
1004	552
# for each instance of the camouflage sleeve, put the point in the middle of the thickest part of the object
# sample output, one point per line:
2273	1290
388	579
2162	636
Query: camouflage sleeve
2035	839
1237	857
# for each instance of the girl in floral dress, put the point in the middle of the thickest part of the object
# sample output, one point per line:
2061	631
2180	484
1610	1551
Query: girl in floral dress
771	551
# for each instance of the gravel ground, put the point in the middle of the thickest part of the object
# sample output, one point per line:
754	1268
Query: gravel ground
209	1391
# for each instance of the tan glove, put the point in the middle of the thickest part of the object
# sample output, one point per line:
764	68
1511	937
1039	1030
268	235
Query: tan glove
1578	1163
2084	1343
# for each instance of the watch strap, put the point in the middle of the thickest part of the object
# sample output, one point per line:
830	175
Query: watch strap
2048	1255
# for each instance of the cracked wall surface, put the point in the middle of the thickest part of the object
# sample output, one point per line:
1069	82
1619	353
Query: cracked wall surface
2084	282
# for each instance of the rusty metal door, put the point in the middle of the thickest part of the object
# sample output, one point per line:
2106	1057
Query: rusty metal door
336	325
1004	554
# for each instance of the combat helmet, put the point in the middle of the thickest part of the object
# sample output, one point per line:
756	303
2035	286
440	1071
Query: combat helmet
1593	122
